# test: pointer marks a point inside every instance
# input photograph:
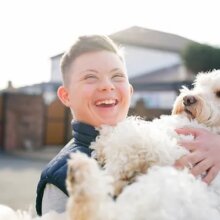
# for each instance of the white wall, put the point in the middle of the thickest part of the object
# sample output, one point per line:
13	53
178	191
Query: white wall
55	69
155	99
141	60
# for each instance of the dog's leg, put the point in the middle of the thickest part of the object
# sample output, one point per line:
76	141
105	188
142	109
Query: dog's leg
89	190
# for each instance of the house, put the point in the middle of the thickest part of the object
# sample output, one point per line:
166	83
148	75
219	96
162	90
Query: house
154	65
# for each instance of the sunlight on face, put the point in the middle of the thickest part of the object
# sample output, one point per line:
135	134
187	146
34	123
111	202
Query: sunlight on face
99	91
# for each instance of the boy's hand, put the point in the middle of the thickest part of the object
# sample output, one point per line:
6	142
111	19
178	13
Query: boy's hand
204	156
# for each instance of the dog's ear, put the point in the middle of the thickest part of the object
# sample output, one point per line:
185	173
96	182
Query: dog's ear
78	169
178	106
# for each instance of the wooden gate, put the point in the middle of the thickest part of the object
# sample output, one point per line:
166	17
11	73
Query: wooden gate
57	124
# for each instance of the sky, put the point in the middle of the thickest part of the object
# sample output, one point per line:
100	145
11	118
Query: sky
31	31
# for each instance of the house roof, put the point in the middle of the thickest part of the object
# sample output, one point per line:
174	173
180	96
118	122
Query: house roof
168	74
144	37
40	87
163	79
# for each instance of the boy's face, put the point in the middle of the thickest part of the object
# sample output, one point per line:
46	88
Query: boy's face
98	91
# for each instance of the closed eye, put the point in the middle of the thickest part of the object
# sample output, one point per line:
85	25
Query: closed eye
90	78
118	76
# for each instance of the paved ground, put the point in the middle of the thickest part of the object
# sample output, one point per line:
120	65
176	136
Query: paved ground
19	174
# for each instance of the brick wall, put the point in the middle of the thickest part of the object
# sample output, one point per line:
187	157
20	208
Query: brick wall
23	122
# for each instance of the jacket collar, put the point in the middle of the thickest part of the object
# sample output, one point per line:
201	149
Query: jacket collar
83	134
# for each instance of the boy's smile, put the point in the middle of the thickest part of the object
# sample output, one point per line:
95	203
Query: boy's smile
106	106
106	103
98	91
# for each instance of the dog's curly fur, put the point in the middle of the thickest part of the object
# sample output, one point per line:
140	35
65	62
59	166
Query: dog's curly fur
137	157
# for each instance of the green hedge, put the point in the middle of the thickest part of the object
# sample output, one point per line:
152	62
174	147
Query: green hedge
201	57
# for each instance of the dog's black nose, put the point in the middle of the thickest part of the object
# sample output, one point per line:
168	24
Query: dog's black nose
189	100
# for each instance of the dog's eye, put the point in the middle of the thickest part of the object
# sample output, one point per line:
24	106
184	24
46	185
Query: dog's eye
218	94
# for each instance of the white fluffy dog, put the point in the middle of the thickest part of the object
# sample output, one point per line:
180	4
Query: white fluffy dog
139	155
138	158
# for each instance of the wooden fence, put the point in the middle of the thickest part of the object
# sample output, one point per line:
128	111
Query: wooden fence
57	124
26	121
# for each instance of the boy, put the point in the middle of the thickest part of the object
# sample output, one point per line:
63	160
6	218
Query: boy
97	91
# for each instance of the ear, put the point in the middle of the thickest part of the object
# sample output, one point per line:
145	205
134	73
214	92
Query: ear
178	107
63	95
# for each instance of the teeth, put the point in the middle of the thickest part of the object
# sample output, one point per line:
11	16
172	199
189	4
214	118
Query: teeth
107	102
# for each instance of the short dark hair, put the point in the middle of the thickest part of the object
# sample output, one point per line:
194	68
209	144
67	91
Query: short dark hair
86	44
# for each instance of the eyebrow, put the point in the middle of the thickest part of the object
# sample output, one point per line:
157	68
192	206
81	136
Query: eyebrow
115	69
88	70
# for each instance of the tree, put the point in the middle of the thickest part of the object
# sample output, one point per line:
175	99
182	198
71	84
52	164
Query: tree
201	57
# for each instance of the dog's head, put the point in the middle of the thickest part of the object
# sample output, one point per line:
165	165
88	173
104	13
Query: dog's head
203	101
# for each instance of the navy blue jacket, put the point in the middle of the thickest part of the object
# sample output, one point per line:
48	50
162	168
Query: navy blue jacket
56	170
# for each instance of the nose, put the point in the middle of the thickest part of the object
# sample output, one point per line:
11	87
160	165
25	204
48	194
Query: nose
189	100
106	85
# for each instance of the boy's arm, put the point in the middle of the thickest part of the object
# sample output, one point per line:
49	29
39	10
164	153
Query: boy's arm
53	199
